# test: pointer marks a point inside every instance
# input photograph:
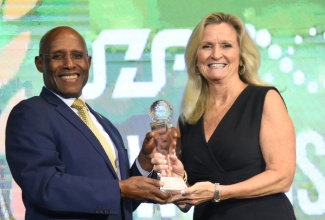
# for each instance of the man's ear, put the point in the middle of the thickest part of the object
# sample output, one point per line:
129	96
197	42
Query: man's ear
38	63
89	60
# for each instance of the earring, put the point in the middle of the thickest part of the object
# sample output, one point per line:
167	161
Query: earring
197	71
242	70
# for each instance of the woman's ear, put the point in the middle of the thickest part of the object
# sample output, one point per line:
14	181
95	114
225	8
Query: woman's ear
241	62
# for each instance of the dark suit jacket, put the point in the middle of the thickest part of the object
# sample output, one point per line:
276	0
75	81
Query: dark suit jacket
59	164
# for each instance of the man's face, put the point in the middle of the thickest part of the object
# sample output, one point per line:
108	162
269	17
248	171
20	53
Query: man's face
64	62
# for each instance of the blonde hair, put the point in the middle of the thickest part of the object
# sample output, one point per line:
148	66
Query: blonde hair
196	93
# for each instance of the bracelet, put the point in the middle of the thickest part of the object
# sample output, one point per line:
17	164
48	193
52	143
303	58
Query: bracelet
216	194
185	177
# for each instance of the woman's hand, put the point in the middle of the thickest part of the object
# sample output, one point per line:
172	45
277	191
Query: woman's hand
176	166
196	194
159	140
168	165
164	160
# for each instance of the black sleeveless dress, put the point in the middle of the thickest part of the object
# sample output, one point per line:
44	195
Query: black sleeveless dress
232	155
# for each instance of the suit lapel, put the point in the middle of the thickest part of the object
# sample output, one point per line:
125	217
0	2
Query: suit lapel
116	140
73	118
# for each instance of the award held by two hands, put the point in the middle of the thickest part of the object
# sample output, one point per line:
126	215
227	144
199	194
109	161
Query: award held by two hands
161	112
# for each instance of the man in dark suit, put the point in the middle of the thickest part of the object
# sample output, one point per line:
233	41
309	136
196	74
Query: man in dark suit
58	162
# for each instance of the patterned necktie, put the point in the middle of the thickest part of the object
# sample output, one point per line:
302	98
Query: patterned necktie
84	115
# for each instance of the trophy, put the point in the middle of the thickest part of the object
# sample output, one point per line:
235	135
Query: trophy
161	112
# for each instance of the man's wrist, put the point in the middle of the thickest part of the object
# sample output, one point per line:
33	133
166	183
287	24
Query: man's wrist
141	170
145	162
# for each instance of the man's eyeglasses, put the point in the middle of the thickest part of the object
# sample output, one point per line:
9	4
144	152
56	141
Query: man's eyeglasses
62	56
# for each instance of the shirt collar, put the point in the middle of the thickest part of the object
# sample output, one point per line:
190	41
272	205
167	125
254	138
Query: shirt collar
68	101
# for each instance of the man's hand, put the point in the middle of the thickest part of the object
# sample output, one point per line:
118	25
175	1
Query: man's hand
148	148
143	189
159	140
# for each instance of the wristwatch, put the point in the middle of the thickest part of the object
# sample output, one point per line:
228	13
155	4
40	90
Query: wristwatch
216	194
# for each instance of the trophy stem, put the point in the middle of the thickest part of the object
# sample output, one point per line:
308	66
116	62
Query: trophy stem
161	124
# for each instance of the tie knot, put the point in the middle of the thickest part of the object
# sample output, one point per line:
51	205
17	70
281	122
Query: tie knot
78	104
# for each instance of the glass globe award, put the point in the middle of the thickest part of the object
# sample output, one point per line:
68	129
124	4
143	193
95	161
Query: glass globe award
161	112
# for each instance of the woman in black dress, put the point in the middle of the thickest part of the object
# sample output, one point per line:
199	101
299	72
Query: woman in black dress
237	141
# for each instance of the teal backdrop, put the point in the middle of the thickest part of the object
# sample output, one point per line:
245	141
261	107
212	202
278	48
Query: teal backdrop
138	57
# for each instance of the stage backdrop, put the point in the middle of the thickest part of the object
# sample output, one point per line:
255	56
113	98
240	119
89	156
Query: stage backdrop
138	57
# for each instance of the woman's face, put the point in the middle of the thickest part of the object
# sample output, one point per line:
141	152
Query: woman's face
218	55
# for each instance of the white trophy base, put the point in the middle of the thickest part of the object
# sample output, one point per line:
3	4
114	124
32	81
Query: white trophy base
172	184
